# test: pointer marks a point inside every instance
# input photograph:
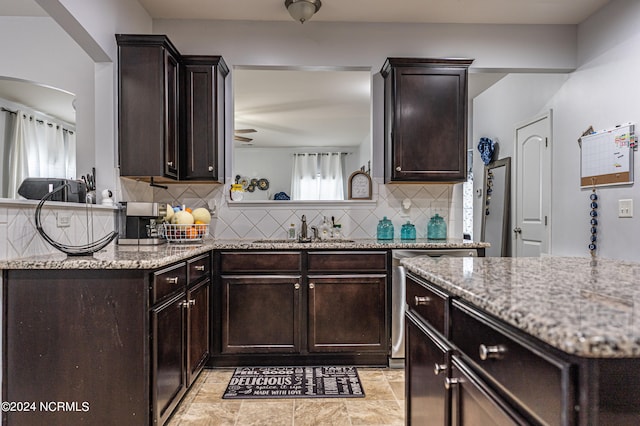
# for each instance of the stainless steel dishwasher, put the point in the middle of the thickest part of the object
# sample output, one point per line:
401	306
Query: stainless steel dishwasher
398	291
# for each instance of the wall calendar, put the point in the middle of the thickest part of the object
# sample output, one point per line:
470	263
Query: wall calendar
607	157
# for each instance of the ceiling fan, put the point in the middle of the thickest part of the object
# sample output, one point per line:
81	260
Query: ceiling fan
243	138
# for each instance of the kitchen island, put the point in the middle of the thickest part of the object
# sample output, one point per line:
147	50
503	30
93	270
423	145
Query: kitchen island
119	336
548	340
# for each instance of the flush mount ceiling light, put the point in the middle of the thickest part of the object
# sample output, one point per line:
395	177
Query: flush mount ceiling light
302	10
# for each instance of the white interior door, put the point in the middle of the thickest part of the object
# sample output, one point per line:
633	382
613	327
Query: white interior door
532	224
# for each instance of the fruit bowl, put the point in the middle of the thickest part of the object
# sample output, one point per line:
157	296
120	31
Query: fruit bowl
175	233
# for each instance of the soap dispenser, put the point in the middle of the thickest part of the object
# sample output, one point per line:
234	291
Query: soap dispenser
385	229
437	228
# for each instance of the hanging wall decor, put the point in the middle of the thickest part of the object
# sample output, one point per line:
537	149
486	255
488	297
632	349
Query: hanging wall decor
593	200
487	148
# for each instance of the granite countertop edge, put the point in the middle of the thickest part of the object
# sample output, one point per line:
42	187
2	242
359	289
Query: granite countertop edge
152	257
590	339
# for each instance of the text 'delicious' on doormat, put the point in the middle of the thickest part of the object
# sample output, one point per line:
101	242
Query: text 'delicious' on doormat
294	382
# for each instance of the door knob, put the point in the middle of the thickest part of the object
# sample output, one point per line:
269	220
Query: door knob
517	230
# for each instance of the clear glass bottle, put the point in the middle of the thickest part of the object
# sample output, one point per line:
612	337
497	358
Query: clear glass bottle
385	229
437	228
324	230
291	232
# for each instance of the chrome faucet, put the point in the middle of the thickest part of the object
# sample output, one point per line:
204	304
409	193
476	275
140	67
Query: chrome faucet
303	230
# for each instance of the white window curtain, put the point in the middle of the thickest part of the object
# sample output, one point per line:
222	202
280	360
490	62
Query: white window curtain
38	148
317	176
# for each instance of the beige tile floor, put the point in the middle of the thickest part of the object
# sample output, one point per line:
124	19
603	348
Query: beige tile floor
383	404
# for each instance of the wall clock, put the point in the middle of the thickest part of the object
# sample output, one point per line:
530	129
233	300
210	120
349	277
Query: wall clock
359	186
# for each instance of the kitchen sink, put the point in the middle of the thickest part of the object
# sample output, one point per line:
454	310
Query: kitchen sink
276	241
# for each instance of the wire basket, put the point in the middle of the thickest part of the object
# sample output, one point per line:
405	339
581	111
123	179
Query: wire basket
184	233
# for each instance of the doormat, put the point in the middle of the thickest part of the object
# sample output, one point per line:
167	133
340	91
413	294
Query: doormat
294	382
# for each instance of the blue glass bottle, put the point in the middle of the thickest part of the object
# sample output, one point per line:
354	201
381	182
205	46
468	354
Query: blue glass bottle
437	228
408	231
385	229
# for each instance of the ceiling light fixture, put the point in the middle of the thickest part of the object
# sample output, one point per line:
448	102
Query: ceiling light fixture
302	10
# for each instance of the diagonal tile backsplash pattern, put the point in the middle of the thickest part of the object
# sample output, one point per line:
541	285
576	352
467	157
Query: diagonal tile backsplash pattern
19	237
272	221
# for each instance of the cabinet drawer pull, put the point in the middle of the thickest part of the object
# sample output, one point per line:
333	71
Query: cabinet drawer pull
439	368
199	268
495	352
450	382
398	169
422	300
187	303
172	280
210	168
312	286
296	286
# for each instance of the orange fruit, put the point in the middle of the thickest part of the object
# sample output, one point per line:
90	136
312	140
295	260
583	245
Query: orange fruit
192	233
188	209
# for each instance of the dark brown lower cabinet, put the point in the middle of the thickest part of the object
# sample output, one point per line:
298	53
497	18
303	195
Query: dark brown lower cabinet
261	314
346	313
80	338
302	307
427	401
102	346
474	403
198	320
168	373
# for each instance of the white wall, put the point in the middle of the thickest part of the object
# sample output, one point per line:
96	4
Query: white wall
600	93
514	99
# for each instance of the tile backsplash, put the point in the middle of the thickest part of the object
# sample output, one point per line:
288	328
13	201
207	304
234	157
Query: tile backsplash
19	237
358	220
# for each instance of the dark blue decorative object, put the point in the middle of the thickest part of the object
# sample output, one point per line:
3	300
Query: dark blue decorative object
486	147
281	196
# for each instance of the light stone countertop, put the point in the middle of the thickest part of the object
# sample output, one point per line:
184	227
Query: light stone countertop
582	306
152	257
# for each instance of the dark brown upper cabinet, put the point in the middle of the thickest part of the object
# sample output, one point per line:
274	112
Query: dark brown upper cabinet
171	111
148	106
425	107
203	112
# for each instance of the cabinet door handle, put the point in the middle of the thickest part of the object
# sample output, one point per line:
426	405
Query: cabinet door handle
398	169
296	286
199	268
170	163
192	302
422	300
450	382
172	280
495	352
439	368
210	168
312	286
